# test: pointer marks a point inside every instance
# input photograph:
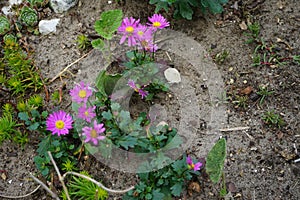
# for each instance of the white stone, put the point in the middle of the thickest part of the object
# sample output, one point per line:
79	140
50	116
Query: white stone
15	2
48	26
7	10
172	75
60	6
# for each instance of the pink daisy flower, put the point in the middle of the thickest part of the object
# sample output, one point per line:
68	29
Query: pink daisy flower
59	123
93	135
158	22
86	114
193	166
128	29
81	93
143	32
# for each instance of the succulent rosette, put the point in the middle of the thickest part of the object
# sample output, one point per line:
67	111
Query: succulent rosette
4	25
28	16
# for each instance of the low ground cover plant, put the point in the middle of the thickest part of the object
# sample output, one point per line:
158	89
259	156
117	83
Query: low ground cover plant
185	8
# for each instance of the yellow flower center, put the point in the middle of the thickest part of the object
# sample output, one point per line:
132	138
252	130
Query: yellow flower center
94	133
59	124
156	24
86	113
82	94
140	33
129	29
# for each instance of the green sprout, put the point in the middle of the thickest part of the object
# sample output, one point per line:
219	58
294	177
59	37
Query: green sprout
222	56
264	93
83	42
69	166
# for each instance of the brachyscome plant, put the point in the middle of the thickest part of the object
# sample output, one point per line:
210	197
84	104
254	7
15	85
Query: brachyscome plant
167	182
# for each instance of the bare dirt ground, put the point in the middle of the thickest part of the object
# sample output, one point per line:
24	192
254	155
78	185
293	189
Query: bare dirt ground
260	159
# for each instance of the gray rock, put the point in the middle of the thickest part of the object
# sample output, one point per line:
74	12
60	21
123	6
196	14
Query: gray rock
60	6
48	26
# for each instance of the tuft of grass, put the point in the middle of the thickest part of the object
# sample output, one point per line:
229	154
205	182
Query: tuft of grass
272	119
263	92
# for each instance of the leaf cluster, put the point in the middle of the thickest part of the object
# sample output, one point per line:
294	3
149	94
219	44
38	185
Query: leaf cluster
185	8
61	148
164	183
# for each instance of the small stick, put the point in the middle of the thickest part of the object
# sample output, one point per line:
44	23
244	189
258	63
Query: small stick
168	56
67	67
234	129
23	196
54	196
98	183
61	179
297	160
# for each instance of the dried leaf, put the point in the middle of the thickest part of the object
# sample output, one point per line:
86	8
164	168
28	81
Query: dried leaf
193	187
3	176
243	25
247	90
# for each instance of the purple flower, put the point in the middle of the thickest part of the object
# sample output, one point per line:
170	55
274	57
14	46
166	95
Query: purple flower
128	29
191	165
93	135
136	88
86	114
143	93
131	84
158	21
81	93
59	123
143	32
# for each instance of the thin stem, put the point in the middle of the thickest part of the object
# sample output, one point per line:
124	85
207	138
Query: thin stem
61	179
98	183
54	196
23	196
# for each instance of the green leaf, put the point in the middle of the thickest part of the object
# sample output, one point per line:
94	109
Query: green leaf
108	23
157	194
148	196
44	114
106	115
98	44
34	126
174	143
127	141
185	10
23	116
35	114
58	155
215	160
177	189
